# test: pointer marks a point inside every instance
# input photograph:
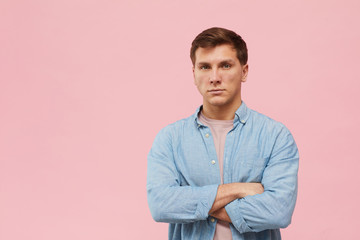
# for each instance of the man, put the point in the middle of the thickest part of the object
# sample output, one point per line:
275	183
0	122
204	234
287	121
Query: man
226	172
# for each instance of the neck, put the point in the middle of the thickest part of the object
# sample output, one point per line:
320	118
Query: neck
220	112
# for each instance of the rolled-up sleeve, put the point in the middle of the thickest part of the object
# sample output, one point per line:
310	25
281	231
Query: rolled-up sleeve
167	200
274	207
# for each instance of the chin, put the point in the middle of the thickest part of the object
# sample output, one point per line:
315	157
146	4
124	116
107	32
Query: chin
217	103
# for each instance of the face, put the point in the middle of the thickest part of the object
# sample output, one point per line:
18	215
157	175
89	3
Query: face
218	75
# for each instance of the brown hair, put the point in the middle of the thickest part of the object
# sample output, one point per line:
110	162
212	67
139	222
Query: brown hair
215	36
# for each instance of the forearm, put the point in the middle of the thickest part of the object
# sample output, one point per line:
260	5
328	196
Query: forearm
221	214
227	193
180	204
270	210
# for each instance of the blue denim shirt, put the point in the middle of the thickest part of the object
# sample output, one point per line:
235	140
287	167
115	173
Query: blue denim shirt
182	178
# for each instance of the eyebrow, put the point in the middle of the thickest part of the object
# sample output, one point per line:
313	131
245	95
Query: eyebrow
222	62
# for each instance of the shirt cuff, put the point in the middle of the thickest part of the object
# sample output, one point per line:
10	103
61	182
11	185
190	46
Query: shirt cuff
205	204
234	212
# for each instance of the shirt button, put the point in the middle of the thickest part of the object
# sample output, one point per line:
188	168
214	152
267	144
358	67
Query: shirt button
207	135
198	125
212	219
212	162
242	121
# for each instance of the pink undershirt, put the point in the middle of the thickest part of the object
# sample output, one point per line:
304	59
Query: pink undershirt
219	130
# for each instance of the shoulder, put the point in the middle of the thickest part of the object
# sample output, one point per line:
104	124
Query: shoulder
270	132
261	122
178	128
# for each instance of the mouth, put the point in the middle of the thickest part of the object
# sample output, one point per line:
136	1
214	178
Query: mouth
216	91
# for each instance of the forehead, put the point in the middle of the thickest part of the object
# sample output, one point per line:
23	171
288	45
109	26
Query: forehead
217	53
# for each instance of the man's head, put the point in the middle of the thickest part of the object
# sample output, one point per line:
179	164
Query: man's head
215	36
219	66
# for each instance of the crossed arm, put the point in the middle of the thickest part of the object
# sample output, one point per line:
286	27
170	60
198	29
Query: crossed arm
250	207
227	193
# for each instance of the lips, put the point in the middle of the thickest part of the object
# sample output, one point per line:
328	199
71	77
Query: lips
216	91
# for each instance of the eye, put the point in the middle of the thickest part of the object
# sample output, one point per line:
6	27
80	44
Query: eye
226	65
204	67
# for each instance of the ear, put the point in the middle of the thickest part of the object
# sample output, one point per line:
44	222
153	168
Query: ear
245	71
193	70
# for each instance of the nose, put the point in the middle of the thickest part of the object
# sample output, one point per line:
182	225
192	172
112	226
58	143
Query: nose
215	77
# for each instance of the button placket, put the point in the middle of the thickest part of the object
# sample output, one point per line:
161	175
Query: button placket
212	154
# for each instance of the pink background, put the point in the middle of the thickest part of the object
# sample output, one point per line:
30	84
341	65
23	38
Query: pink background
86	85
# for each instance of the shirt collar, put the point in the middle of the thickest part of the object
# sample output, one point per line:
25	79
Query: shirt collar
241	115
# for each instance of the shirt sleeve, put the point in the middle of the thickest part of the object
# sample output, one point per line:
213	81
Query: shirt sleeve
168	201
274	207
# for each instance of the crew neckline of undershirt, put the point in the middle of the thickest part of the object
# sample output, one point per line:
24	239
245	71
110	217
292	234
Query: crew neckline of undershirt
216	121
